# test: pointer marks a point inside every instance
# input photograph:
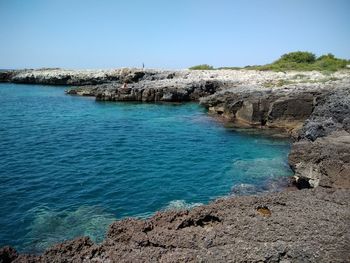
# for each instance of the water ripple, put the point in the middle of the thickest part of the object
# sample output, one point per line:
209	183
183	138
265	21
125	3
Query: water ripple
69	165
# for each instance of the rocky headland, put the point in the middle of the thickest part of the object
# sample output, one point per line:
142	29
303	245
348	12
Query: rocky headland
307	225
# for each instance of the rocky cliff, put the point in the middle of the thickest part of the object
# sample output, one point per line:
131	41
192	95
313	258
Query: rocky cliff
308	225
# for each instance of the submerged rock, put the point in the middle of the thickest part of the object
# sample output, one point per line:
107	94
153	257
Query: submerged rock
244	189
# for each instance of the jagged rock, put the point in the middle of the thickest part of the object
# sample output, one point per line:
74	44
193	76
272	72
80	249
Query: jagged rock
322	153
331	114
295	107
297	226
325	161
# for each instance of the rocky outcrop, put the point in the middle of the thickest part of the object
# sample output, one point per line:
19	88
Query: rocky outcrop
317	117
6	76
310	225
321	156
331	114
81	77
324	162
150	91
263	108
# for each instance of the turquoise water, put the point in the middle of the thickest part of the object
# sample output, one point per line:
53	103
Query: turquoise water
69	166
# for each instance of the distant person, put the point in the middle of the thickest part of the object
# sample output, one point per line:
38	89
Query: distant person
125	85
143	66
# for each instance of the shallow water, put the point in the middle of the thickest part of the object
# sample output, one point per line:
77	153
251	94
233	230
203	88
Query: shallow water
69	165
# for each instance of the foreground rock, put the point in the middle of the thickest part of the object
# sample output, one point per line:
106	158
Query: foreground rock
310	225
298	226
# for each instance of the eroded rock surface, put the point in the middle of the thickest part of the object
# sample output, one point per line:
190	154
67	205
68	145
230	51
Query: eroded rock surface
321	155
254	106
300	226
152	91
323	162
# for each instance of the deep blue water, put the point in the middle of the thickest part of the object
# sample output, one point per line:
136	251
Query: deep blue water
69	166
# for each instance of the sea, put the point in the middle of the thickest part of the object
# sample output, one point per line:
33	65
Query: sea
70	165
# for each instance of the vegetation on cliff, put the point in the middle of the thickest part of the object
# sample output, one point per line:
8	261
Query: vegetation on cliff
304	61
202	67
299	61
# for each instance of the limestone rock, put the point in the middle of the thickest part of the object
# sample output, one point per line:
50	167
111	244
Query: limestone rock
325	161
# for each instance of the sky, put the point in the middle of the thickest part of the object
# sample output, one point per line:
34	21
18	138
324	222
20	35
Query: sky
168	34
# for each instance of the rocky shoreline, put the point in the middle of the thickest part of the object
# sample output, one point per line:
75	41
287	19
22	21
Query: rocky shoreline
310	225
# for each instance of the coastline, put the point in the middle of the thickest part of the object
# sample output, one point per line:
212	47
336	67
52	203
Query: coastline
273	227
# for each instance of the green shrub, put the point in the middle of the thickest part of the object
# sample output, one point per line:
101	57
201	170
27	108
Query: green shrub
297	57
202	67
230	68
304	61
298	61
328	56
330	62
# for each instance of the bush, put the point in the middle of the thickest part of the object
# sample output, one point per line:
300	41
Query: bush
298	61
230	68
328	56
330	62
304	61
202	67
297	57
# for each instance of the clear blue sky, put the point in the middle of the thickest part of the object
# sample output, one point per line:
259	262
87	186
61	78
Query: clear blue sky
167	34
